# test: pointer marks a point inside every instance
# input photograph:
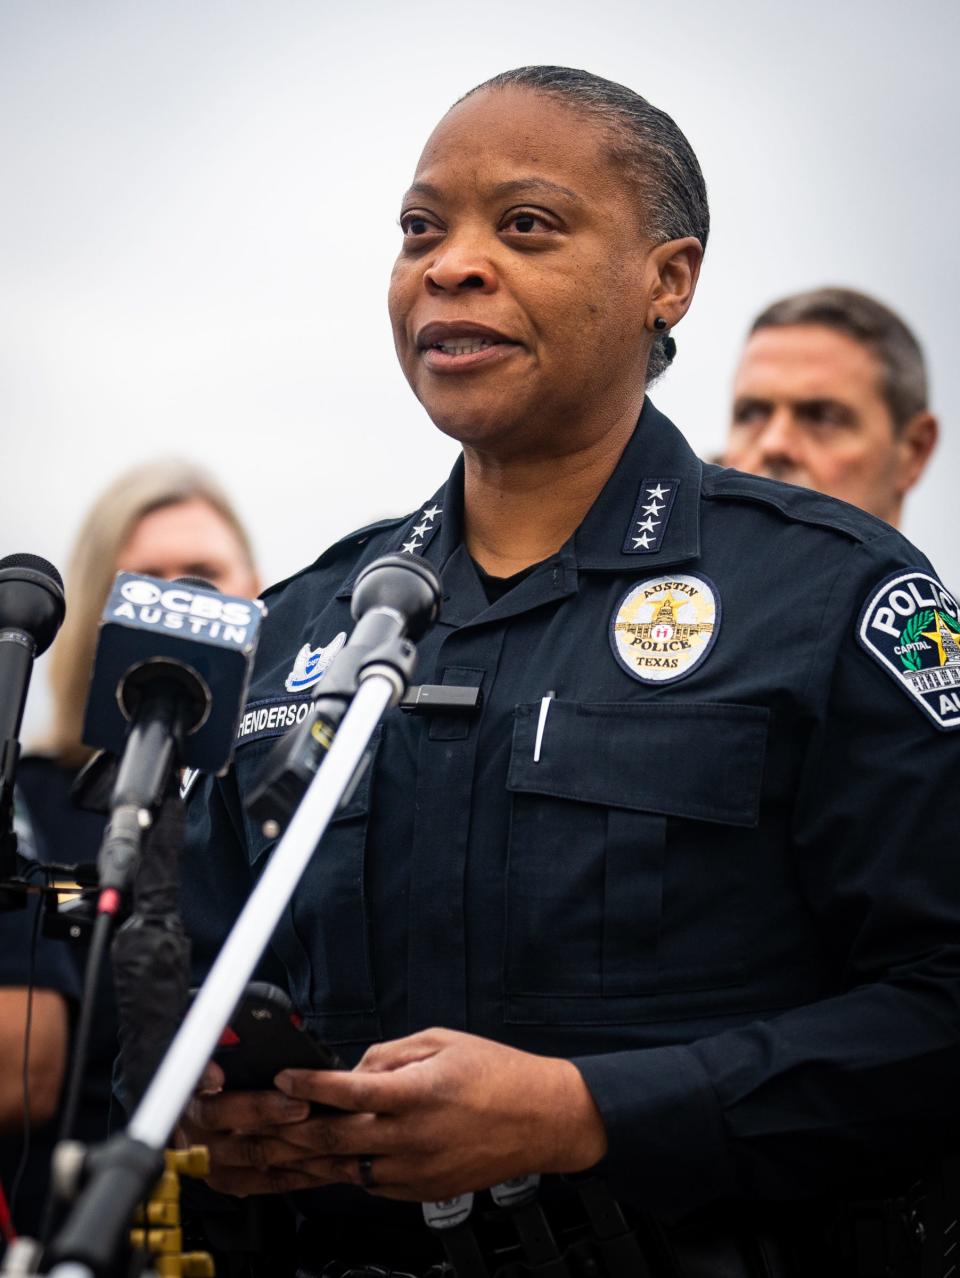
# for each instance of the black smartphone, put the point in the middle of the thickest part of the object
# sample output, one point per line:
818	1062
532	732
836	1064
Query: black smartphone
265	1035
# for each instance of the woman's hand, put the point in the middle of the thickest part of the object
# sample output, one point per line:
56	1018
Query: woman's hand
245	1134
440	1113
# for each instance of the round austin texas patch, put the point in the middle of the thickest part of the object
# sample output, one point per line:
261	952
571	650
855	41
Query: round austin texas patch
664	627
911	626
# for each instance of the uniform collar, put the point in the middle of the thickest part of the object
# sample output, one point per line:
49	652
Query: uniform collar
656	482
653	496
656	454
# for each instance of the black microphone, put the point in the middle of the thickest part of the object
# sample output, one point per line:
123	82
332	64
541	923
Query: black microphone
185	650
395	599
31	613
169	682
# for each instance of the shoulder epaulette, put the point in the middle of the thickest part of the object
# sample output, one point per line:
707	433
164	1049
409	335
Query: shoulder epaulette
801	504
352	541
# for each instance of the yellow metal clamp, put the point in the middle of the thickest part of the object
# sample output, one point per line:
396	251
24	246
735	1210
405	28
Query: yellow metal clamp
163	1237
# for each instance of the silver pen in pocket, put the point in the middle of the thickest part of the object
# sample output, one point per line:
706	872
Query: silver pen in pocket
542	723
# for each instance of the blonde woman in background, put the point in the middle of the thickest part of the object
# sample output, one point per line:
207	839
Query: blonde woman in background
164	519
168	519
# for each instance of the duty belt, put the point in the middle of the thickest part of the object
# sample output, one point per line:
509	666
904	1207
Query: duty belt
580	1231
510	1236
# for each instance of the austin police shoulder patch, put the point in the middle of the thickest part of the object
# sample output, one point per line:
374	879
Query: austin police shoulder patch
911	626
664	627
310	664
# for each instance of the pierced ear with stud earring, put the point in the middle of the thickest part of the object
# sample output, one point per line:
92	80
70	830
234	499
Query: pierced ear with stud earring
660	323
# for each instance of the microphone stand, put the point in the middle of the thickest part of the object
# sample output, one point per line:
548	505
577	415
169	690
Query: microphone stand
121	1172
145	769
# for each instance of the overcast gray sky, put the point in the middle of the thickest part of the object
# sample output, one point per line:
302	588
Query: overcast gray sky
198	216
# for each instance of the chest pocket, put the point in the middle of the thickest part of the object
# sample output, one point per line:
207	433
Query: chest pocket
624	879
322	938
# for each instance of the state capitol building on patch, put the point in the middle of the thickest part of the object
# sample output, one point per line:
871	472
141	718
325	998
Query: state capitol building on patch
662	629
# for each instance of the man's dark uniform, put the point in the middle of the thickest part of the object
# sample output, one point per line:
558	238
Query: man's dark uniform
728	887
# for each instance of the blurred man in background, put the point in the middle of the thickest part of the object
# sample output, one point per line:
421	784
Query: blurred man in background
831	394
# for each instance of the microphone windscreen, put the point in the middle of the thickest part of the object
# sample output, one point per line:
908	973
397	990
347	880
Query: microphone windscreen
210	636
36	563
31	598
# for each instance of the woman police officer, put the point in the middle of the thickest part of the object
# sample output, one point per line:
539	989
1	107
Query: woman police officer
680	894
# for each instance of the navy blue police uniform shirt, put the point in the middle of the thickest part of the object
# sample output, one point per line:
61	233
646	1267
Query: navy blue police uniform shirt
701	837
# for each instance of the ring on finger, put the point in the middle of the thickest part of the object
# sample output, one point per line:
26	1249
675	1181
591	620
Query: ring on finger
365	1170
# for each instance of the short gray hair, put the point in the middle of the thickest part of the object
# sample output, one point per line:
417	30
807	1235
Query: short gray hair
655	157
903	375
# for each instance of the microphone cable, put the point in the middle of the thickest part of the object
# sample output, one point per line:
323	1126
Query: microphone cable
108	905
